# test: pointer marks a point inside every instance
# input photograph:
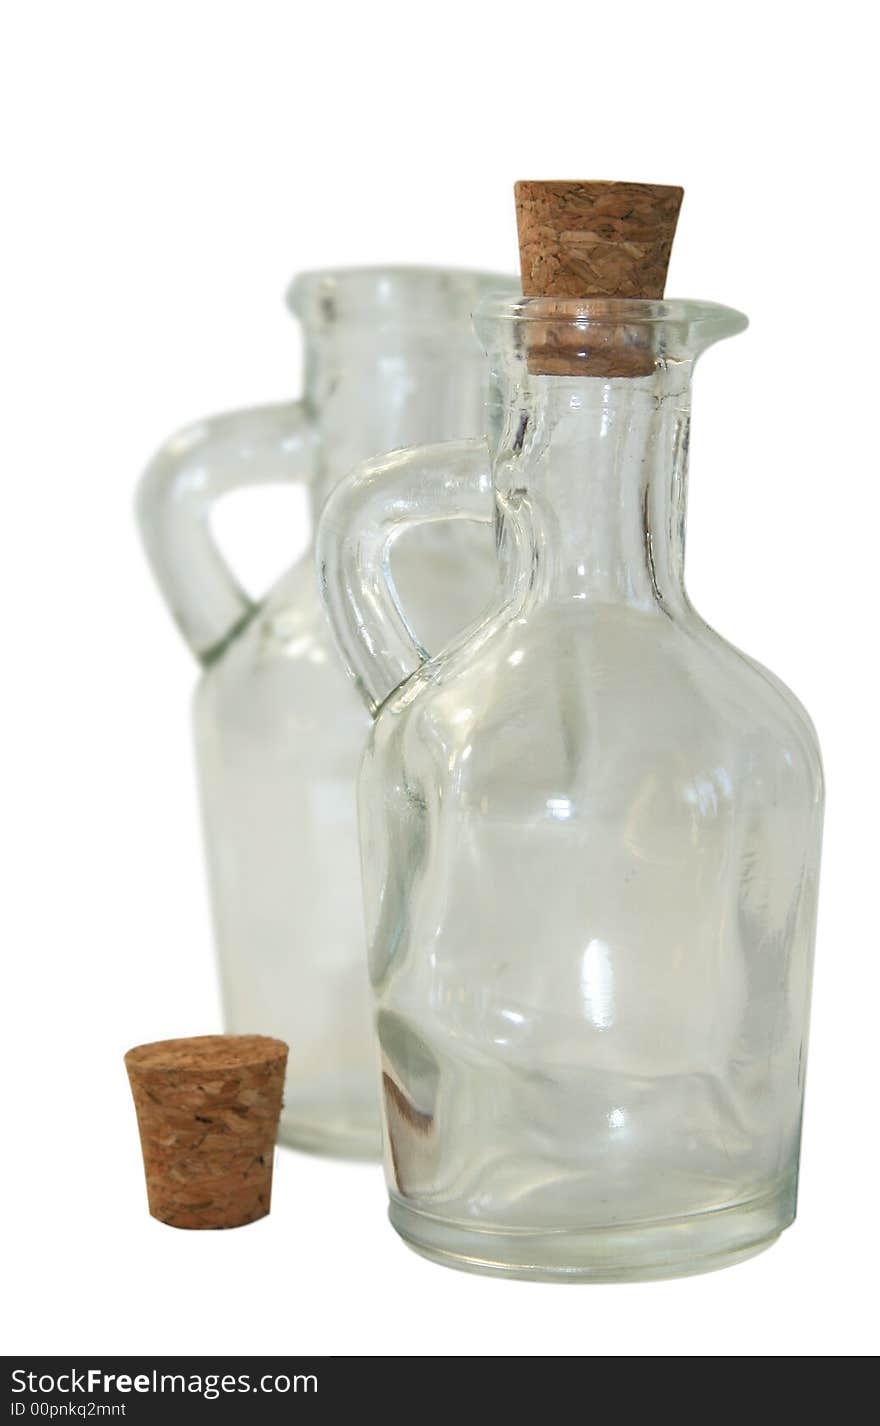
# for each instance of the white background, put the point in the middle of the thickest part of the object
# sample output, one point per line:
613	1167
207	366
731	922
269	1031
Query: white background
167	167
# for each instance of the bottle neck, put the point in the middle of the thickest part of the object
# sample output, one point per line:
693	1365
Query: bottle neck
372	390
598	470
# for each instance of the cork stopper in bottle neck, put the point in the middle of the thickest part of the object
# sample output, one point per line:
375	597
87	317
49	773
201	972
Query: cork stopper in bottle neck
592	240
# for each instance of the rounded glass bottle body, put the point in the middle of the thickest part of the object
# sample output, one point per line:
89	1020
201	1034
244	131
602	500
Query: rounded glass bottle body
390	360
590	839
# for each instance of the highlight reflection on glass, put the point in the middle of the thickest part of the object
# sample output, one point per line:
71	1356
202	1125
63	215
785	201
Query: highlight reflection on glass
597	984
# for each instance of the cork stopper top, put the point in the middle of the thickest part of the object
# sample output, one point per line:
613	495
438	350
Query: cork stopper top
202	1054
595	239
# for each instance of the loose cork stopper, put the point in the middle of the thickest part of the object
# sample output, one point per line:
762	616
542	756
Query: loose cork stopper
208	1111
593	240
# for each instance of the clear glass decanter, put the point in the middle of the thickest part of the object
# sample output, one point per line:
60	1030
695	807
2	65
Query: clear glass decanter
390	359
590	833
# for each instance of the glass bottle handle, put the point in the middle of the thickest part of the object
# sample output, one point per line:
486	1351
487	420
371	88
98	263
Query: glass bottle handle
261	445
361	520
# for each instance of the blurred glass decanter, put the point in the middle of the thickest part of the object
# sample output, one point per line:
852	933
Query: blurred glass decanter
590	827
390	359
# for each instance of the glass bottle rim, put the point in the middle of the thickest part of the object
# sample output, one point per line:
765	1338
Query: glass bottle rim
705	321
396	292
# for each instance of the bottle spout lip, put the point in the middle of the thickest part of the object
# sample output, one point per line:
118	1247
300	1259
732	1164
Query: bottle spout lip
711	318
612	336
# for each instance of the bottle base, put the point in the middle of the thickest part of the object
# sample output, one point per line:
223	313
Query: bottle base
634	1252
